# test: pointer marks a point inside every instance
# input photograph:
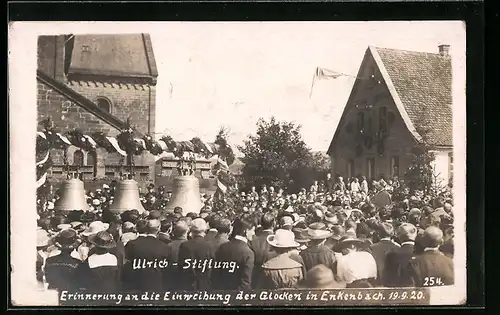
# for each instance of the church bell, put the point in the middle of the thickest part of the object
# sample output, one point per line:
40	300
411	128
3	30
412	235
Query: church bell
126	197
186	194
72	196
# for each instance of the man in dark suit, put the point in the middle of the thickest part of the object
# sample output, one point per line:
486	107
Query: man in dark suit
329	183
61	270
146	260
432	267
380	249
397	260
195	254
382	198
260	246
235	259
223	232
180	232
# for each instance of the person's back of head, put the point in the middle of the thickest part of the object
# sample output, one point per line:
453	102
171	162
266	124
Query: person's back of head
141	226
429	221
181	229
242	225
165	226
224	226
198	227
268	221
363	230
44	223
407	232
192	215
153	226
432	237
128	227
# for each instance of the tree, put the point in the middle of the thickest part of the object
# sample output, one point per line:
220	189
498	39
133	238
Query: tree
276	155
422	175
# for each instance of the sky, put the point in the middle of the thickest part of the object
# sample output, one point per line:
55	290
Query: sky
230	74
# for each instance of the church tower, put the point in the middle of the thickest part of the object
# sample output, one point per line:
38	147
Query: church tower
94	83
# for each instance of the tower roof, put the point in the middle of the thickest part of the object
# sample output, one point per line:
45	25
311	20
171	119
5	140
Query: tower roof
117	55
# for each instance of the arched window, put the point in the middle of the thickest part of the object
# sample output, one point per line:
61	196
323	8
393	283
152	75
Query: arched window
92	161
78	158
104	104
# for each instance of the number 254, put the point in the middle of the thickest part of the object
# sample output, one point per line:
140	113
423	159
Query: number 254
430	281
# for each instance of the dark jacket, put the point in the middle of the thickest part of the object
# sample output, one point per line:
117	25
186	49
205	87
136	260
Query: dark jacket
238	252
379	251
171	273
61	272
431	268
260	248
218	240
192	253
142	250
317	255
381	199
281	272
395	263
101	273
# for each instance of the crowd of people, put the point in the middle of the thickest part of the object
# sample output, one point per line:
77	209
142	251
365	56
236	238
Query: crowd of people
335	234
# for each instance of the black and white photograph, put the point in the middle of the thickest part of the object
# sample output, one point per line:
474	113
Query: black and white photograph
237	163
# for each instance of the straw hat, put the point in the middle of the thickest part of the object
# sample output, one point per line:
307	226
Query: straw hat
95	227
317	231
331	218
61	227
283	239
346	242
102	240
42	238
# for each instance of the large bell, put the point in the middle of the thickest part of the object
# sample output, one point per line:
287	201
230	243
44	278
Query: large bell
72	196
186	194
126	197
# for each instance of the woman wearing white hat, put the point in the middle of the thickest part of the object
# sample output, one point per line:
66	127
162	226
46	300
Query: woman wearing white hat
282	271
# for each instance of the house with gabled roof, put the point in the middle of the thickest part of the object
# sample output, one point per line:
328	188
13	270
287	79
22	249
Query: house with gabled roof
400	98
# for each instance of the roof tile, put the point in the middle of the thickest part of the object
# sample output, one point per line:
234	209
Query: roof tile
423	83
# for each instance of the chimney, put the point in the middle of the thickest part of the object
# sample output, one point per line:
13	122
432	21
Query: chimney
444	50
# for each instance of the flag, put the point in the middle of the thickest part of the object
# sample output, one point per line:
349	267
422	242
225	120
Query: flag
221	186
324	74
222	164
115	145
42	180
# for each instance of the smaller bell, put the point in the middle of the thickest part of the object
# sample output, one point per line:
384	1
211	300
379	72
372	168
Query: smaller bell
72	196
126	197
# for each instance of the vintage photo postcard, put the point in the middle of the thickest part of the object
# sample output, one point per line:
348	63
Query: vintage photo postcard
235	164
